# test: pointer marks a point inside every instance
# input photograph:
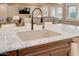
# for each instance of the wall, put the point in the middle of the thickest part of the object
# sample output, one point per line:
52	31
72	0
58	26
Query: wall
3	12
13	10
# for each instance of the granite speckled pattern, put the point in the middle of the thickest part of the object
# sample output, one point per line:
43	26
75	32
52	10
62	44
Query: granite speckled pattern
10	41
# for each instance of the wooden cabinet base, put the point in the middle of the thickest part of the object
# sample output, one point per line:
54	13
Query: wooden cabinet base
57	48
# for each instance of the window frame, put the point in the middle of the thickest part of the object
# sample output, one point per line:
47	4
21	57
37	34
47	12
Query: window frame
68	11
55	8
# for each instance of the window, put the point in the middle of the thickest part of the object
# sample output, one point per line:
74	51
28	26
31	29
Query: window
53	12
45	11
72	12
59	13
56	12
78	13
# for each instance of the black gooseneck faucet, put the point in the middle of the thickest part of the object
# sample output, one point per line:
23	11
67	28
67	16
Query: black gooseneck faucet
42	21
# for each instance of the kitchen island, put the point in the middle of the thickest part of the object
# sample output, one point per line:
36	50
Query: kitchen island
47	46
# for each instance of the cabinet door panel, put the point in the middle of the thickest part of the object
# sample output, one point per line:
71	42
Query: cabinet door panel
63	50
60	53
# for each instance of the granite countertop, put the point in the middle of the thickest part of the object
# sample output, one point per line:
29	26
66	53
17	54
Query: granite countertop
9	40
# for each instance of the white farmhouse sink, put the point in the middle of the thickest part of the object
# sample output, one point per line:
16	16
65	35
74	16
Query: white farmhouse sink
31	35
